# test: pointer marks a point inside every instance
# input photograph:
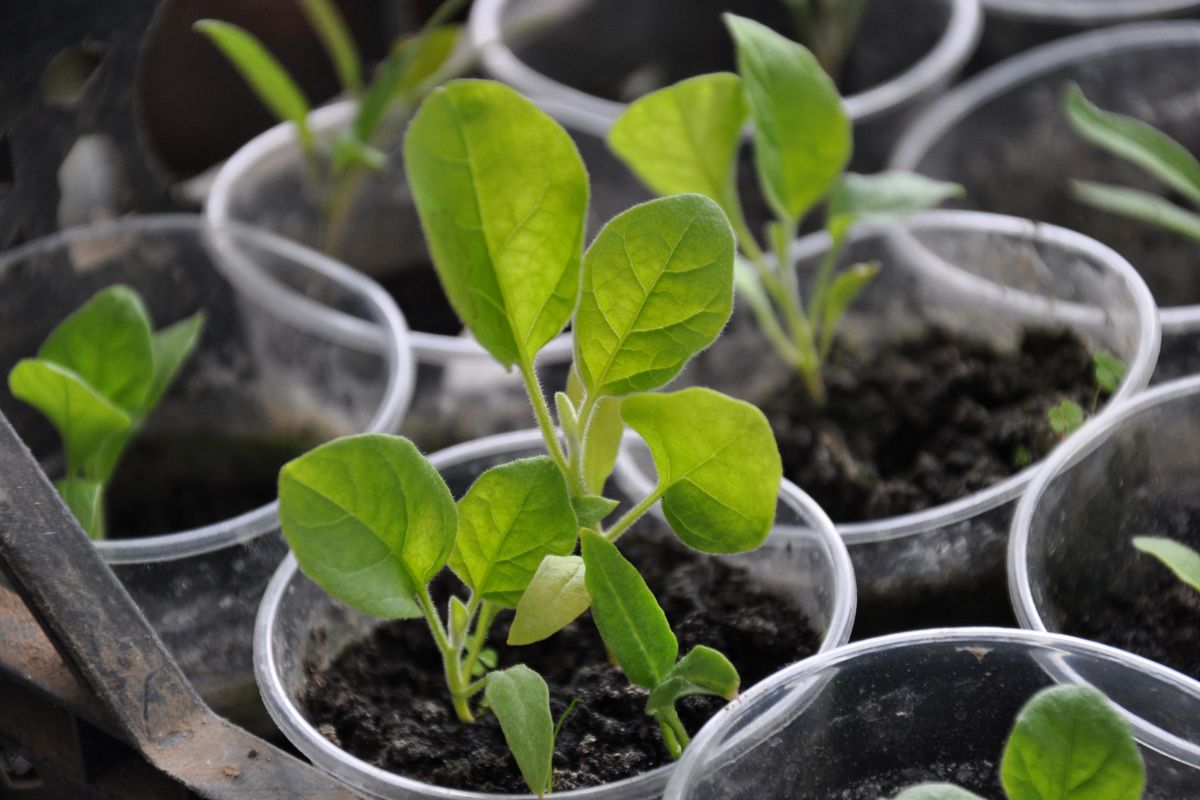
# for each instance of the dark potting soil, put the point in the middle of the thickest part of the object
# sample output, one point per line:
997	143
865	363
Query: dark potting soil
980	777
384	699
926	420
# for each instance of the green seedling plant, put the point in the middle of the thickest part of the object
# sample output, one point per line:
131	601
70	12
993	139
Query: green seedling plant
97	377
685	138
1068	416
1175	556
828	28
413	66
502	195
1160	156
1068	743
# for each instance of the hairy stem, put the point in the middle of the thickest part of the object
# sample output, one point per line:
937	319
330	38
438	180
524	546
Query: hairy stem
450	665
487	614
546	425
634	514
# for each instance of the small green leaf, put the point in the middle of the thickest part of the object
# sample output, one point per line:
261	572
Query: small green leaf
702	671
520	700
591	508
718	466
567	420
502	195
459	620
369	519
603	442
488	658
1176	556
802	136
1109	370
847	286
172	345
685	138
936	791
634	628
335	36
657	289
411	62
556	596
513	516
1136	142
883	197
1069	743
86	500
266	76
1065	418
1138	205
350	153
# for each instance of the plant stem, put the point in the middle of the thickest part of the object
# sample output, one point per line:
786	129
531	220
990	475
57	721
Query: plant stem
546	424
450	665
675	735
634	514
486	615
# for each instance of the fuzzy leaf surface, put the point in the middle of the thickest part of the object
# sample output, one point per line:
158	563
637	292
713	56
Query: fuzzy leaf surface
603	435
556	596
520	699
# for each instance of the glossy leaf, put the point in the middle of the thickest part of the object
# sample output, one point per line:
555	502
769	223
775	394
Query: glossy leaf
85	498
1176	556
718	466
556	596
511	518
703	671
1138	205
520	700
604	434
936	791
369	519
502	195
1066	417
172	345
591	508
802	136
1109	371
1069	743
883	197
634	628
335	37
685	138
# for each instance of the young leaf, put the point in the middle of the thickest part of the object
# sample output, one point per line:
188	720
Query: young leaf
171	347
702	671
1066	417
632	624
1109	370
685	138
802	136
520	700
555	597
591	508
845	288
567	419
411	62
1068	743
511	518
335	36
718	466
1136	142
883	197
936	791
603	442
369	519
459	619
266	76
1138	205
85	498
657	289
1176	556
502	195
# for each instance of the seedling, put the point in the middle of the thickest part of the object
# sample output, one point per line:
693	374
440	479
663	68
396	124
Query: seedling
828	28
1140	144
1068	416
1068	743
1176	556
502	194
685	138
412	67
97	377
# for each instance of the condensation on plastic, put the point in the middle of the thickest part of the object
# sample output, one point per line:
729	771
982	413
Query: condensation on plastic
300	624
265	366
843	724
983	275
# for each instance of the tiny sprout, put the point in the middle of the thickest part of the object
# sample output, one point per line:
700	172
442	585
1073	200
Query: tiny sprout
1176	556
1068	416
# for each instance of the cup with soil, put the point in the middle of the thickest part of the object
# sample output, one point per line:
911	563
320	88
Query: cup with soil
366	700
1072	565
906	51
1005	137
873	718
940	382
193	533
461	393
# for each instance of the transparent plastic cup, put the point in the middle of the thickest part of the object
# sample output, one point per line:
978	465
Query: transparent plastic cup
1004	136
270	378
983	275
907	52
870	719
1071	559
300	624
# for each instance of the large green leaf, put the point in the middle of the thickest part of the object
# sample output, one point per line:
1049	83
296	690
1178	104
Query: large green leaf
1069	743
369	519
502	195
718	466
556	596
802	136
936	791
883	197
703	671
634	628
1137	142
603	442
1176	556
1138	205
172	345
657	289
520	699
107	343
512	517
685	138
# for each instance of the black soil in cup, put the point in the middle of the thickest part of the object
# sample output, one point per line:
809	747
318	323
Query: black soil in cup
384	699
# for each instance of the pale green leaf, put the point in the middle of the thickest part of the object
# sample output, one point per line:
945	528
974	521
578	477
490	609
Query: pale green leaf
936	791
502	195
511	518
604	433
335	37
591	508
718	466
1066	417
657	289
369	519
703	671
1109	371
567	419
1176	556
844	289
883	197
1069	743
85	498
1138	205
802	135
634	628
459	620
411	63
172	345
556	596
520	700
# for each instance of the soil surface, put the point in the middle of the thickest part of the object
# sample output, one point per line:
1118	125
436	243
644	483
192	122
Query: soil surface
925	421
384	699
981	777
